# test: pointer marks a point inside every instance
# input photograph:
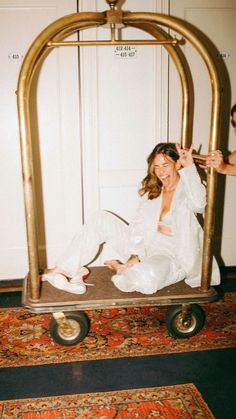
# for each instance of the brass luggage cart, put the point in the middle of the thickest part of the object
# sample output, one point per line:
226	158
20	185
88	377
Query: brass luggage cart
70	323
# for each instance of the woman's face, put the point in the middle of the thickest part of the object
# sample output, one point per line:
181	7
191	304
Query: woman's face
166	170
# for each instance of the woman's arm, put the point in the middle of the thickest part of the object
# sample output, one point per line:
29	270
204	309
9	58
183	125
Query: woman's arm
195	190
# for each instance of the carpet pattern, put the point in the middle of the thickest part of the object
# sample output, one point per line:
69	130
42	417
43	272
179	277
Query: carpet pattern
173	402
114	333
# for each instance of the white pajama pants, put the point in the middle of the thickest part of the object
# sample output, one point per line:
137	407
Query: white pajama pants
102	227
154	272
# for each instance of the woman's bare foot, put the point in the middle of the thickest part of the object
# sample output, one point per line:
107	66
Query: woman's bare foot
114	264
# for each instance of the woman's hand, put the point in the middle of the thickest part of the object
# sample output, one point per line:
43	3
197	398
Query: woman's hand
215	159
116	265
185	155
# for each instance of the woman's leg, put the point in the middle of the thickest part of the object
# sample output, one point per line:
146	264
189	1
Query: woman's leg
102	227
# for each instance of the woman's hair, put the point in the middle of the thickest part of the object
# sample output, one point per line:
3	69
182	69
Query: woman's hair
233	109
151	184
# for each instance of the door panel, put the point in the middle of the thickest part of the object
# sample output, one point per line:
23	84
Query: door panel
216	18
124	114
55	137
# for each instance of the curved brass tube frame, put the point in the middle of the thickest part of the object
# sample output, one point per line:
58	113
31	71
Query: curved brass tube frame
52	36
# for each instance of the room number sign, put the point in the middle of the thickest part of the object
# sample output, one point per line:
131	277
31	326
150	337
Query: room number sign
125	51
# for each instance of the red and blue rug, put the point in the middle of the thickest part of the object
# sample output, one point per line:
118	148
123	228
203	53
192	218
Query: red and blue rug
172	402
114	333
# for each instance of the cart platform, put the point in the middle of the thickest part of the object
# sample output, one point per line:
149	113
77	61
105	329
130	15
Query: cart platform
104	294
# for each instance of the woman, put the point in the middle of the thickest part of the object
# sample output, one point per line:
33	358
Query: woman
161	246
215	158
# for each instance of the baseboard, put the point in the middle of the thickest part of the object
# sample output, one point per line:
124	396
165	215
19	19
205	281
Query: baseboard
228	272
11	285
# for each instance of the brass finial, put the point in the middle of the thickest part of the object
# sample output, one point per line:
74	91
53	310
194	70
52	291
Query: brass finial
112	3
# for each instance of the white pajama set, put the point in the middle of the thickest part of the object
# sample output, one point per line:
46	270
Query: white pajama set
164	259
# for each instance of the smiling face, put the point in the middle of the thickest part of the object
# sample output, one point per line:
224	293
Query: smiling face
166	170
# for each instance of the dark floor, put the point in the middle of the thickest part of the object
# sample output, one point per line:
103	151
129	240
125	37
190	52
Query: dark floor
212	372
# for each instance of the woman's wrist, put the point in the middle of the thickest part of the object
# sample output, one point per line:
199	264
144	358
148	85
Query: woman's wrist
132	260
188	163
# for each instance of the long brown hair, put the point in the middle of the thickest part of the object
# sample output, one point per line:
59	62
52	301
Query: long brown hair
151	184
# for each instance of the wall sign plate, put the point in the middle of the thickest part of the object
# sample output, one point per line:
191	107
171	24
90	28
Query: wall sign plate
15	56
125	51
224	55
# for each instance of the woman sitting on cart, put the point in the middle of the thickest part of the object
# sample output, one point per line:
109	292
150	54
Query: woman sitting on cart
161	246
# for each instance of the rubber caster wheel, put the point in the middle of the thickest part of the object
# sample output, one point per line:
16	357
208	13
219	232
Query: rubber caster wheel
70	329
182	323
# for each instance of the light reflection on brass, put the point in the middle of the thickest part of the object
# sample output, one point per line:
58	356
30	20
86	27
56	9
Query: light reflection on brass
66	26
170	41
199	159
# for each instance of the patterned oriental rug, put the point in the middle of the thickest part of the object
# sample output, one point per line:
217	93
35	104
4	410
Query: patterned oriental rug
174	402
117	332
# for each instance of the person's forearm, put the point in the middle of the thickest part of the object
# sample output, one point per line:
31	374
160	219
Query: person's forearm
227	169
232	158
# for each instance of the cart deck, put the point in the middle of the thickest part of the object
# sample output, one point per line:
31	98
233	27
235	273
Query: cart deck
104	294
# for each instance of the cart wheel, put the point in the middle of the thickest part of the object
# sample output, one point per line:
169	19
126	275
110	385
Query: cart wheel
182	323
71	329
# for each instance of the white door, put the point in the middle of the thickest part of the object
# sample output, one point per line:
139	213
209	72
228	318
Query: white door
124	114
216	18
56	136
